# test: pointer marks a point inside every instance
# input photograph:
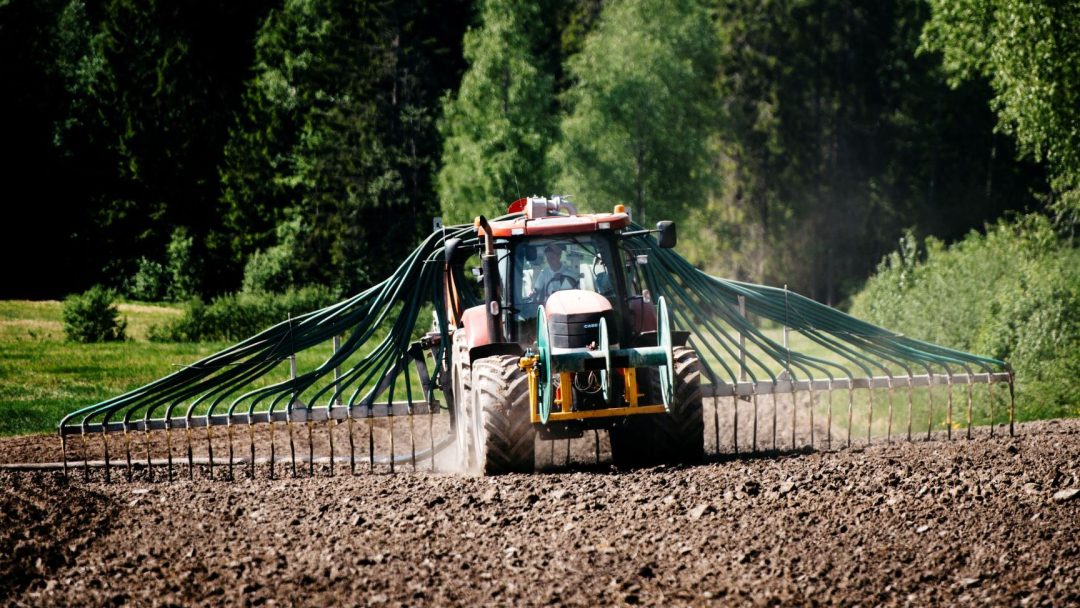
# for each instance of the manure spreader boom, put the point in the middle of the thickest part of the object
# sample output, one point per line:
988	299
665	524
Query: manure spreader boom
545	324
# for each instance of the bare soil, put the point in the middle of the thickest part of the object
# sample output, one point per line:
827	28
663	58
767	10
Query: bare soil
987	520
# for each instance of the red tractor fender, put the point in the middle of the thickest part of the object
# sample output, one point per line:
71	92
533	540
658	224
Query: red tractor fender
475	322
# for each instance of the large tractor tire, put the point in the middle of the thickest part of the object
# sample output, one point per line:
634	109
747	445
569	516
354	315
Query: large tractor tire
460	403
677	437
505	436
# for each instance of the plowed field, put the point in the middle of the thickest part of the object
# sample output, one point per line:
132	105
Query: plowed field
927	523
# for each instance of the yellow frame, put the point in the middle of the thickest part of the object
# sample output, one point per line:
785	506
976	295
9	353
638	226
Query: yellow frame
565	402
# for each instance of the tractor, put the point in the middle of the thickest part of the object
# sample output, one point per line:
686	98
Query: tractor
565	340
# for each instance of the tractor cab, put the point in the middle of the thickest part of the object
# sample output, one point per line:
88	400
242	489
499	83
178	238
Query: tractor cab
551	249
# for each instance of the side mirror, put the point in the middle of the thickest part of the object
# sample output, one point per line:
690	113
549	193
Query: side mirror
450	249
665	234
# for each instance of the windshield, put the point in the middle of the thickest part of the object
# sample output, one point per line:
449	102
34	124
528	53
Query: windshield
545	265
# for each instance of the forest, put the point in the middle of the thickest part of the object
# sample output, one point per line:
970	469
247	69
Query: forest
171	150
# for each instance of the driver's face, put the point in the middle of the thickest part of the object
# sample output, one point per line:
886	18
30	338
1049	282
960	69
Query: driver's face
553	258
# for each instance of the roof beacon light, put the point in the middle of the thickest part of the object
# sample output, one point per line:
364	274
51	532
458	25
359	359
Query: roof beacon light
537	207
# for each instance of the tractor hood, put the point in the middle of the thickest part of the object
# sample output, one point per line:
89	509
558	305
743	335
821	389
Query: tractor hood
573	317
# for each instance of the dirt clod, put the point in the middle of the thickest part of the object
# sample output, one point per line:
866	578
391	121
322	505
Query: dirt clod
1066	495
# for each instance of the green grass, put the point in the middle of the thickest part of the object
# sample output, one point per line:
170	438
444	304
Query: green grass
43	376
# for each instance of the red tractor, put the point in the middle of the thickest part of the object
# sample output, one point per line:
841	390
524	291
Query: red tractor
566	340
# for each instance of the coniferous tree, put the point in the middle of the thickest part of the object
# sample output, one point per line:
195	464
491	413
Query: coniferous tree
338	136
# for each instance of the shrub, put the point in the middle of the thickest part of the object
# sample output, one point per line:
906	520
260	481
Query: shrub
1013	294
272	270
149	282
240	315
181	266
92	317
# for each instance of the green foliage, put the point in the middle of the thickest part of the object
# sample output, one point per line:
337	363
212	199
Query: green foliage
1013	294
499	126
835	137
1029	50
149	283
93	317
175	280
641	110
240	315
338	129
181	265
150	89
273	270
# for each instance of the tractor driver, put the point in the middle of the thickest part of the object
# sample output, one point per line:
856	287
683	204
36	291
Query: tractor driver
554	277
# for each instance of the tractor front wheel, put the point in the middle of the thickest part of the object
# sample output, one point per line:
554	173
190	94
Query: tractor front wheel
504	433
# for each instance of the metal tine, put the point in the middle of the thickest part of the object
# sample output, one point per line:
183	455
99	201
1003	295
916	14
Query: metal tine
229	433
948	415
149	462
352	446
850	407
330	435
127	451
390	418
990	397
311	446
753	397
105	440
888	431
63	453
371	437
734	424
431	436
910	406
716	422
775	411
930	407
794	408
168	446
870	412
1012	405
970	400
190	456
292	445
812	405
412	440
292	404
336	344
273	450
828	418
210	449
251	446
86	456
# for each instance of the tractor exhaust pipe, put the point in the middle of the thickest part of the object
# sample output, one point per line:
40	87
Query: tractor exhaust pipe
489	265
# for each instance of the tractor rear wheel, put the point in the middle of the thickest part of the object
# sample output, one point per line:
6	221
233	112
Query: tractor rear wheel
677	437
505	436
